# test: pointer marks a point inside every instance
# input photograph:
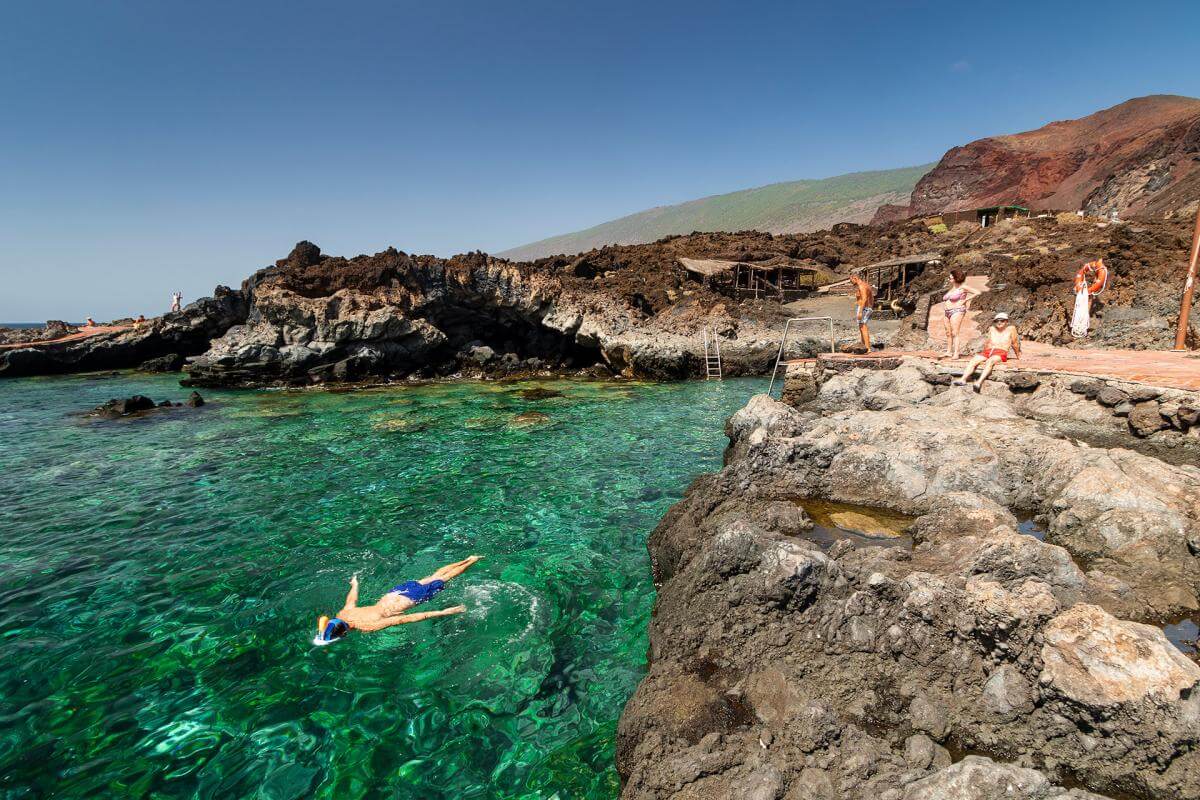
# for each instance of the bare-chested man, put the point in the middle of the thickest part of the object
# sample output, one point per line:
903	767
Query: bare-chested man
864	301
1000	337
391	608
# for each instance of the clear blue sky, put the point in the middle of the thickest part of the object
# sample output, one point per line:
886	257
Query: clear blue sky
149	146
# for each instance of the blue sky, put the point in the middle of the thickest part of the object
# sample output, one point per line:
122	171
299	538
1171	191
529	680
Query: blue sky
150	146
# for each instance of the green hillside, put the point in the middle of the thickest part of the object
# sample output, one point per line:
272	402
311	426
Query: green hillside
792	207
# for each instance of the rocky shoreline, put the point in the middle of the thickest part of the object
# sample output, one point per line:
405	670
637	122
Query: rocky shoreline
631	311
977	662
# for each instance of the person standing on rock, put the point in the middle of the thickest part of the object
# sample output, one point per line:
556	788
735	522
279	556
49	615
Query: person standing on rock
177	302
956	302
1000	338
864	302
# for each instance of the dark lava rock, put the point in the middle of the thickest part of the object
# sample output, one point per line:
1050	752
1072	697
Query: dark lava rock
195	400
1109	396
1123	409
938	378
1023	382
1188	417
1145	419
124	407
172	362
1142	394
1086	387
165	404
304	254
540	394
480	354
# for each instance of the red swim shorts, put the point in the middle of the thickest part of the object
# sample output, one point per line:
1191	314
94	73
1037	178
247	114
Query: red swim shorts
1002	353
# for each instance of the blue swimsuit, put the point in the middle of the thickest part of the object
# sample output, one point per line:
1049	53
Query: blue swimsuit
419	592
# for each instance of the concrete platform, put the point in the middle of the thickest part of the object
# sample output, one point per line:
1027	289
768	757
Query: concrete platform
1151	367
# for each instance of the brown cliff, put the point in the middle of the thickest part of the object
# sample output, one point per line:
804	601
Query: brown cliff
1141	157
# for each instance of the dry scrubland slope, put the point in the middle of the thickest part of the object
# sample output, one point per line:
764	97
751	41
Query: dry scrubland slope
792	207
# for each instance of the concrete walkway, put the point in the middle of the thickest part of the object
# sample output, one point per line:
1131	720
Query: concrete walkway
1163	368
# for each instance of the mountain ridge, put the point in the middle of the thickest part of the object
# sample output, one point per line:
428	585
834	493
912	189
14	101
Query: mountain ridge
798	206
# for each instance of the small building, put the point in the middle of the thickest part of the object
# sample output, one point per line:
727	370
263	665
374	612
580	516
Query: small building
782	281
985	217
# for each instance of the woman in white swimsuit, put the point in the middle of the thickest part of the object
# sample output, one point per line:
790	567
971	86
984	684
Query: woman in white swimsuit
956	301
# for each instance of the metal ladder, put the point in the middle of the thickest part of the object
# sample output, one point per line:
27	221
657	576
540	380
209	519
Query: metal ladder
712	355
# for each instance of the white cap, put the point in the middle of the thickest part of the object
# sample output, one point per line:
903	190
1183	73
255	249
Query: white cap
1000	315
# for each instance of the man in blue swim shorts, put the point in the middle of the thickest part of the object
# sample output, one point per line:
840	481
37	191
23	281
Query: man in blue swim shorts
391	608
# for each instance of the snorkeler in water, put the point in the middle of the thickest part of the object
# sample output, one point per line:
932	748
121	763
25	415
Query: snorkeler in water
391	608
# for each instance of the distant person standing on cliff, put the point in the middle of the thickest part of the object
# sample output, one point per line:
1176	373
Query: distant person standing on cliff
177	302
864	302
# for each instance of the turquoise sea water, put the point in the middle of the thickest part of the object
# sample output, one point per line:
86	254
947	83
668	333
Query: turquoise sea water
160	580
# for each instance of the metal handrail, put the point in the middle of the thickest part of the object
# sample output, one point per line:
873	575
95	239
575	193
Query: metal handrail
783	343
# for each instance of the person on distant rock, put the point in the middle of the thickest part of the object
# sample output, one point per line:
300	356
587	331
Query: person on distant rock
91	323
139	322
390	609
176	302
956	301
1000	338
864	302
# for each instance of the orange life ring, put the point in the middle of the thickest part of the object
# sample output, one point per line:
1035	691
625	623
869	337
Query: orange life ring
1101	281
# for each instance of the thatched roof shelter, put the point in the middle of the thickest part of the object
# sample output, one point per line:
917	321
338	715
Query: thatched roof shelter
917	258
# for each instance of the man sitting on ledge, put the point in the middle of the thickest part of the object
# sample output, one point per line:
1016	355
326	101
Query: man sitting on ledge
1000	337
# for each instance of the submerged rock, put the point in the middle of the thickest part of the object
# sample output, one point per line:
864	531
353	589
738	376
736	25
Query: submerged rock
863	523
529	419
540	393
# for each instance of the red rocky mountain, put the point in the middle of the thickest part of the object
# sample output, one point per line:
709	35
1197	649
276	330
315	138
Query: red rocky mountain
1141	157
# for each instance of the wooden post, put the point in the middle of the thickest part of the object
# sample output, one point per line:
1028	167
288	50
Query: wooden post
1189	286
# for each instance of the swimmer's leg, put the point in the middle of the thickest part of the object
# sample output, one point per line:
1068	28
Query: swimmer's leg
451	570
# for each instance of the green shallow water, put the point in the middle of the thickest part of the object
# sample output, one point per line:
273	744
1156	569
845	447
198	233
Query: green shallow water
160	581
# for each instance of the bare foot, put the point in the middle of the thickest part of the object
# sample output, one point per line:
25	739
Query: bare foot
958	382
978	387
455	610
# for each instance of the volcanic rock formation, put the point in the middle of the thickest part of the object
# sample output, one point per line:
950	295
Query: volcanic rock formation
182	333
629	310
1141	157
980	663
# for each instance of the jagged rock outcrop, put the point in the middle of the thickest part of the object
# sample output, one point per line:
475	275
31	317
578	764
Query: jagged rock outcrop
1138	157
315	319
183	333
982	662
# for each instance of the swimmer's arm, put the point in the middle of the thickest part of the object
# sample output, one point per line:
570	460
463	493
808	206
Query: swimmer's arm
404	619
352	596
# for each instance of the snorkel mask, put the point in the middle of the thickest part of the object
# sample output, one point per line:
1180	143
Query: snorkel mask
330	631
